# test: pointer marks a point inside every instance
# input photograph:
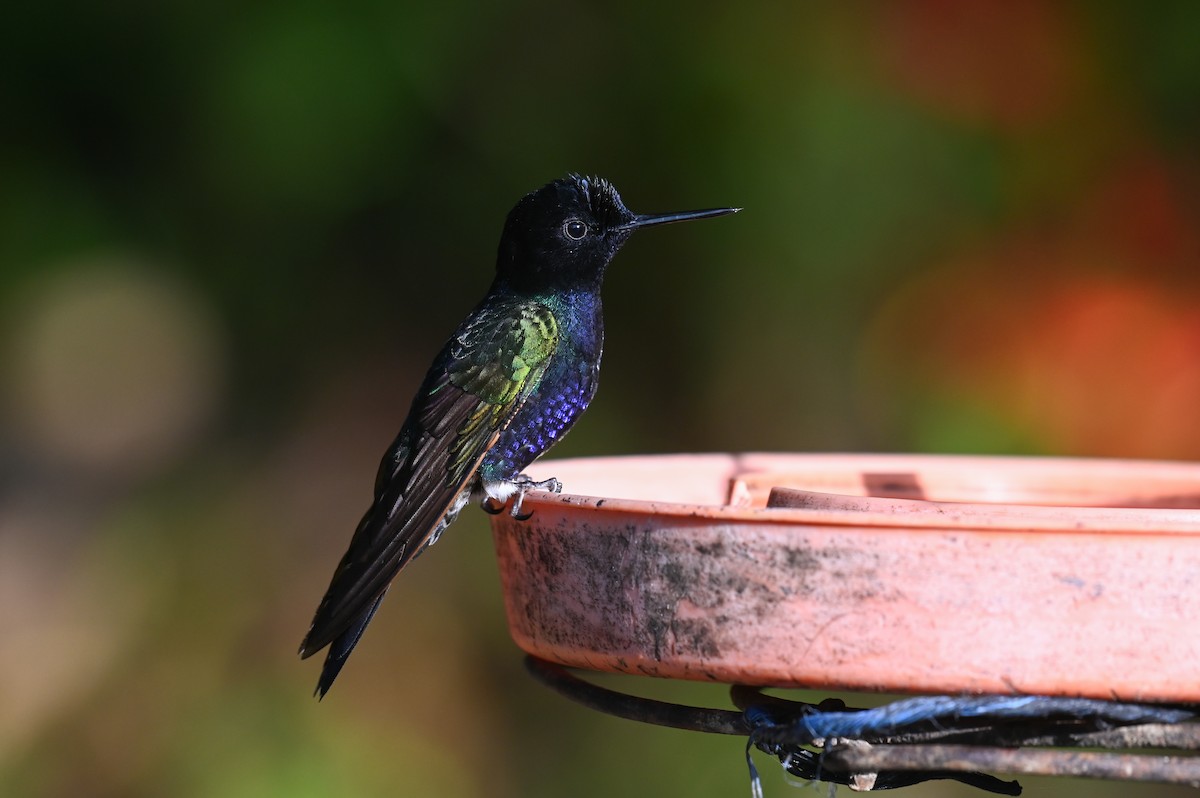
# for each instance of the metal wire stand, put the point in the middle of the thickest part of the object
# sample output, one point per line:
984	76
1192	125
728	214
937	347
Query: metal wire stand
926	738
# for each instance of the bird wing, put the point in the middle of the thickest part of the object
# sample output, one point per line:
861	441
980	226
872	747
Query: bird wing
495	360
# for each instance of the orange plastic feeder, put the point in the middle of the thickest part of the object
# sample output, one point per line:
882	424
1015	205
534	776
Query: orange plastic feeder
935	574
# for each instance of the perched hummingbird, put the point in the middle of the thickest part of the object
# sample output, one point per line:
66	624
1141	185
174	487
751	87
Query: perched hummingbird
510	382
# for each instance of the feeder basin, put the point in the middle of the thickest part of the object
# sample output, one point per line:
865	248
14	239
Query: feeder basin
896	573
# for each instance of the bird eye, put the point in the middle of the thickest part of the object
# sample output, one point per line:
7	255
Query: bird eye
575	229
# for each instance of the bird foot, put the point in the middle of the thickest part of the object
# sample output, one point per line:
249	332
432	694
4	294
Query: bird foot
524	484
491	506
519	486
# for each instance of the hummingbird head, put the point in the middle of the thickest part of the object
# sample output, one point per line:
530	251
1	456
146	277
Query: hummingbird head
565	233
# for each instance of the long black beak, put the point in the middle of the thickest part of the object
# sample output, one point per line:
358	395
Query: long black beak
651	219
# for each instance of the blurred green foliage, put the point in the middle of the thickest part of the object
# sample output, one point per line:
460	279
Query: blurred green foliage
968	227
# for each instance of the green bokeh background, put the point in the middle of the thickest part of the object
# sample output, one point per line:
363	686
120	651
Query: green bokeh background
233	235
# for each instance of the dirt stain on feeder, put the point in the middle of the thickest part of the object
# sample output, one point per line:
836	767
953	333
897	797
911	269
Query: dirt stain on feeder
671	600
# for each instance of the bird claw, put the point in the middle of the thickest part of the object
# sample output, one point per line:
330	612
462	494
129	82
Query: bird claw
491	506
524	485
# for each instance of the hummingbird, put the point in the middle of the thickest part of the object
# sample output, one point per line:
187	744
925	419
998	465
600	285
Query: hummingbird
510	382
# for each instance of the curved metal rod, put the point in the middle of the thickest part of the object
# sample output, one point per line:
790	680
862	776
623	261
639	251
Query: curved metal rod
646	710
1035	762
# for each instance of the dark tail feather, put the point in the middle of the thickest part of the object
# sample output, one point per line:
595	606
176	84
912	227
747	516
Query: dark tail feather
342	645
